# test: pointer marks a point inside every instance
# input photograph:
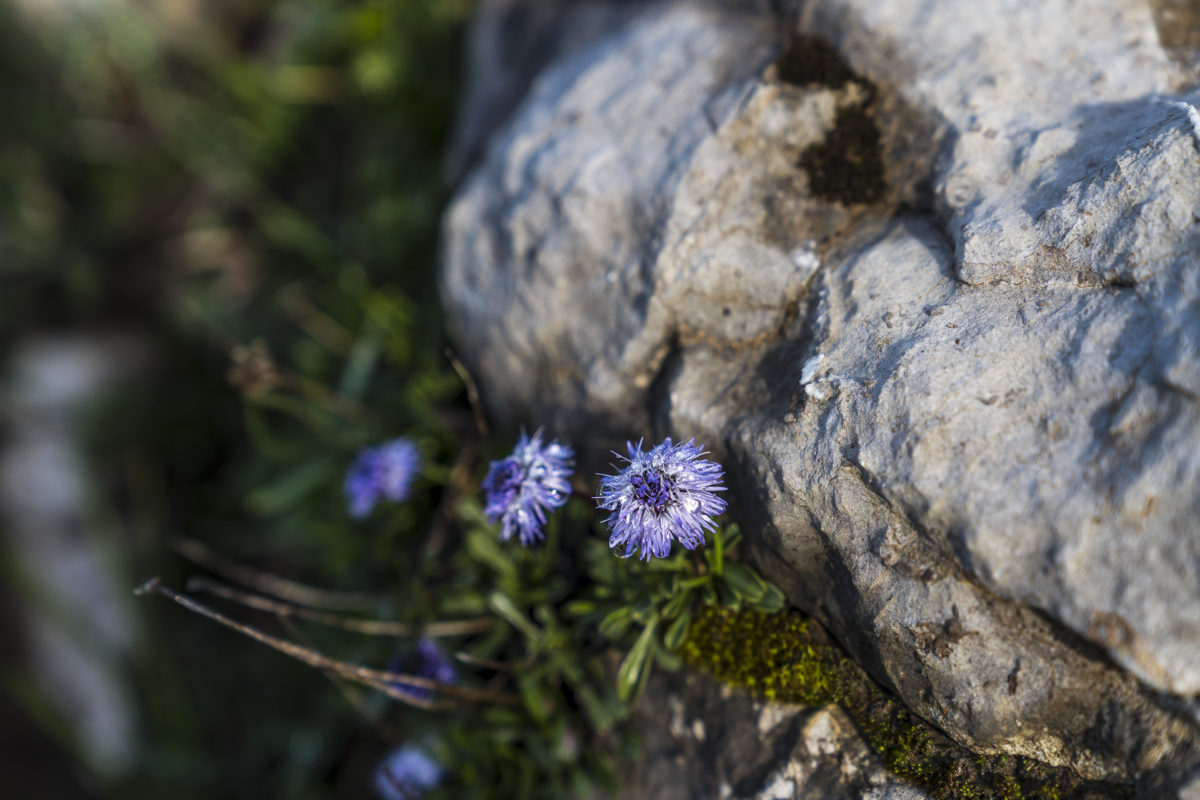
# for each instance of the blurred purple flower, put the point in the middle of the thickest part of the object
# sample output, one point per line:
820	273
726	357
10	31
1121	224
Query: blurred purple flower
662	495
407	773
520	489
379	473
426	661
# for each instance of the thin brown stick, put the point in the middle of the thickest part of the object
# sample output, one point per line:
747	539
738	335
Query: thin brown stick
472	392
315	322
488	663
353	694
274	585
379	680
491	663
368	627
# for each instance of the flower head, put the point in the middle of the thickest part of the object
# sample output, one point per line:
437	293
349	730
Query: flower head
521	488
379	473
427	661
662	495
407	773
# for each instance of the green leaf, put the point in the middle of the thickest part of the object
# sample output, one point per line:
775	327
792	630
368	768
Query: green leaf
579	608
503	605
291	487
602	712
677	604
676	563
667	659
770	602
678	631
483	547
634	667
730	536
745	582
718	549
535	698
614	625
728	597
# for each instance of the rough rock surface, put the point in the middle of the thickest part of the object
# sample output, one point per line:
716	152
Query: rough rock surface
703	740
924	275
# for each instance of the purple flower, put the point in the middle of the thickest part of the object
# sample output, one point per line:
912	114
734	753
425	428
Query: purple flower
662	495
407	773
379	473
521	488
427	661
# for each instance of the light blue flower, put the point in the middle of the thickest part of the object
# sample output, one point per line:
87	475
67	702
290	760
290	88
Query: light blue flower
407	773
426	661
663	495
379	473
520	489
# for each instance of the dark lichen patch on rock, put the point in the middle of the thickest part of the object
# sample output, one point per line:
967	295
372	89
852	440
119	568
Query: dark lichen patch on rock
847	167
790	658
812	61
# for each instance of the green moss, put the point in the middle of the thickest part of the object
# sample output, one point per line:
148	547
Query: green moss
790	658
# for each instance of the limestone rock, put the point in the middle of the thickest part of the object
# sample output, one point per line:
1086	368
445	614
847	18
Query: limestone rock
924	275
701	740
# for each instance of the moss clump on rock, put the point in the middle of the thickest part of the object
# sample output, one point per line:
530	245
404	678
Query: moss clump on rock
790	658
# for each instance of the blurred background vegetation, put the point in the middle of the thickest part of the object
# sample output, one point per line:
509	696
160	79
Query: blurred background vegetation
218	233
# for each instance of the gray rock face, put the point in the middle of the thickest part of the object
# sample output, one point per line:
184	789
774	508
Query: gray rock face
702	740
926	279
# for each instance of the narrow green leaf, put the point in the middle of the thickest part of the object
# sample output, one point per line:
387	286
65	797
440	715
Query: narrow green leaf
579	608
745	582
770	602
614	625
718	550
633	668
668	660
676	563
728	597
678	631
536	701
677	604
503	605
483	547
288	489
731	536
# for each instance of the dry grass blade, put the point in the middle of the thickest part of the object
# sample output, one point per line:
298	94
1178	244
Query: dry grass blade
379	680
472	392
266	583
368	627
354	695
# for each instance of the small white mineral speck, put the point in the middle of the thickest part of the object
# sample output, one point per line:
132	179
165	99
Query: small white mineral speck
809	371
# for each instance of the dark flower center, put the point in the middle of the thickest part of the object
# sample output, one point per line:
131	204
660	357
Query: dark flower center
509	476
652	488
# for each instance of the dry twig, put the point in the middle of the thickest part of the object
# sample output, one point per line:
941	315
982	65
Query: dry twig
368	627
379	680
274	585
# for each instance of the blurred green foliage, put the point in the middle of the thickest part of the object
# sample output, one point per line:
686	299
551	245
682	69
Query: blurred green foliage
255	178
253	188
